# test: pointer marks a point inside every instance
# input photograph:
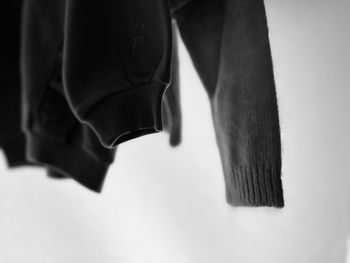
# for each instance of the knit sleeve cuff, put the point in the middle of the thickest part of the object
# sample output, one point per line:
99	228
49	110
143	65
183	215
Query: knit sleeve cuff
258	185
127	115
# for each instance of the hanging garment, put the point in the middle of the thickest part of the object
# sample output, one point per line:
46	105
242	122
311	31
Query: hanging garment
229	45
12	139
55	136
117	66
115	78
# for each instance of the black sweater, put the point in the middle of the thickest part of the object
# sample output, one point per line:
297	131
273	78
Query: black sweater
54	135
110	90
229	45
117	66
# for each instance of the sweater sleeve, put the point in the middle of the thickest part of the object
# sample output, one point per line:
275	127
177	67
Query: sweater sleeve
117	65
229	45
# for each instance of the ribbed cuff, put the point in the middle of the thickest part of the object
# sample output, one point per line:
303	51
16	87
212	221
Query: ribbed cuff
129	114
14	150
258	185
68	160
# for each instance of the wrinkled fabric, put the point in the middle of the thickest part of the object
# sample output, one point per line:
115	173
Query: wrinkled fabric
118	60
12	138
55	136
98	75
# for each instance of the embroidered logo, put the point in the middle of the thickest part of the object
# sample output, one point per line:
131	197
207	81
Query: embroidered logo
137	40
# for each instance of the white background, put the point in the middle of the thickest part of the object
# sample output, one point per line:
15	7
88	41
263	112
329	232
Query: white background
164	205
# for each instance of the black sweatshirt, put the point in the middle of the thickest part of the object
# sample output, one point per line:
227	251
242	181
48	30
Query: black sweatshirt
12	138
118	65
55	136
112	89
116	68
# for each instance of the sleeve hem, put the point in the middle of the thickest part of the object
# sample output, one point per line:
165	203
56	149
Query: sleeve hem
129	114
258	185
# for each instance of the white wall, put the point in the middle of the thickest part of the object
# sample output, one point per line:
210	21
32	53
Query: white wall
163	205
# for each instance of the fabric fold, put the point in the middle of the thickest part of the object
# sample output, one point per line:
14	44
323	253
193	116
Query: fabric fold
129	114
68	160
12	139
55	138
115	50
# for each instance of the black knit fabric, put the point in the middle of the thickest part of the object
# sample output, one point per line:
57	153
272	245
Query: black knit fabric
54	135
229	45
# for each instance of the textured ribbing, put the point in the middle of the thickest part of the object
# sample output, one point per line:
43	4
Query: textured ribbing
256	185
